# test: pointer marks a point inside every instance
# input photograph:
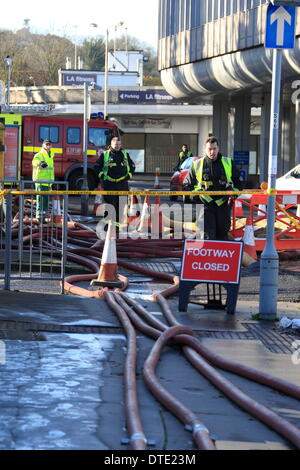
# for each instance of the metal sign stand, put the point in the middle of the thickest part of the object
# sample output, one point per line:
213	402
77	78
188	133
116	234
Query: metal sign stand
214	302
204	262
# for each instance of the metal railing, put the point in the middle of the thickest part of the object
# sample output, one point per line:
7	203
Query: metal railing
33	246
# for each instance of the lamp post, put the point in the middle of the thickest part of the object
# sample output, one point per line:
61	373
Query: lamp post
106	67
86	115
115	26
8	62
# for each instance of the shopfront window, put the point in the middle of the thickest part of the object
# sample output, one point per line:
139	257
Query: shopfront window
162	150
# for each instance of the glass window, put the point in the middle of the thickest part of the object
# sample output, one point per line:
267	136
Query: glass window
49	132
195	13
162	150
133	141
188	15
73	135
100	137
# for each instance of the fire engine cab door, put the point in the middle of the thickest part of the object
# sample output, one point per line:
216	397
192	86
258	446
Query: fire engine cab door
52	130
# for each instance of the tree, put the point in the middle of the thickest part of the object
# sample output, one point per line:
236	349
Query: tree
93	53
38	57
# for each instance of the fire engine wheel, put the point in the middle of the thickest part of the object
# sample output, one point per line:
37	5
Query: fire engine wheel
76	180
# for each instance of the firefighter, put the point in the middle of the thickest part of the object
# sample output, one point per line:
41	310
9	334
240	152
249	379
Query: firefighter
43	170
115	168
213	172
183	155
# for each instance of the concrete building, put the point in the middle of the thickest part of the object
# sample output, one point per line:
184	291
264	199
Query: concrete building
213	51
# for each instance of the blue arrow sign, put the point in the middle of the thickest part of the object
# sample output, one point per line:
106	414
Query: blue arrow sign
280	30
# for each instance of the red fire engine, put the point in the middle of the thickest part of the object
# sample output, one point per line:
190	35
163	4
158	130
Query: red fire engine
66	135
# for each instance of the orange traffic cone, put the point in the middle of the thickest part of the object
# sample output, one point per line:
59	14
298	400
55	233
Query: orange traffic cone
134	212
145	222
99	203
262	210
56	210
249	242
157	174
157	226
108	275
239	208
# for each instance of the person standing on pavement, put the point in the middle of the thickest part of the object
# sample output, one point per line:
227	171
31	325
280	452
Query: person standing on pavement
183	155
213	172
43	174
114	168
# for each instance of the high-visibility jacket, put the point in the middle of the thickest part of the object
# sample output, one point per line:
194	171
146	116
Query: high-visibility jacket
204	185
185	155
106	165
39	173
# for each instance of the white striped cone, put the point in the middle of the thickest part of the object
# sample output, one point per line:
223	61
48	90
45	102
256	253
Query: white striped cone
145	222
157	174
248	239
239	208
56	210
108	275
262	207
98	204
134	211
281	214
157	224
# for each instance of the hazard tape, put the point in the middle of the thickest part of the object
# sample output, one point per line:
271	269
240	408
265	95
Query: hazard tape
2	195
295	222
271	192
139	193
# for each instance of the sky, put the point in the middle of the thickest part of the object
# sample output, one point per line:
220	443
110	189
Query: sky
73	19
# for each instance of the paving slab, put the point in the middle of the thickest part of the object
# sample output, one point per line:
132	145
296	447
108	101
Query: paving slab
65	391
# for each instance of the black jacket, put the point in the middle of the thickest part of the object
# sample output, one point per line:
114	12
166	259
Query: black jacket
213	170
117	168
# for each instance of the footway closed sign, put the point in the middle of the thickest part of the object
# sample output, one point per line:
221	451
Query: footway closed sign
212	261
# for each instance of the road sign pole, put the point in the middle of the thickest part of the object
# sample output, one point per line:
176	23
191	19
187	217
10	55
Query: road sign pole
269	263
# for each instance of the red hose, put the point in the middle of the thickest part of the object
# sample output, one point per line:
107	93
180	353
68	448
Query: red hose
137	437
200	432
193	351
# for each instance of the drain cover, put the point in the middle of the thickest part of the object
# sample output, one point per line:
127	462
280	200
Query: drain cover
272	339
28	331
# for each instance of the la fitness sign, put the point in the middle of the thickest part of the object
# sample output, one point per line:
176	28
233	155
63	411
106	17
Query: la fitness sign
212	261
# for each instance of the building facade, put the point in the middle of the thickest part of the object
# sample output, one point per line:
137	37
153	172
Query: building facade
214	51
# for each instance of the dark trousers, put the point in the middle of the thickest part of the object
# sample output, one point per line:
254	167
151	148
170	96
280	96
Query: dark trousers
217	221
115	200
42	202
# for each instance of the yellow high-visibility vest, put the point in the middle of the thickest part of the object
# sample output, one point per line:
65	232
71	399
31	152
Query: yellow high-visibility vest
198	166
39	173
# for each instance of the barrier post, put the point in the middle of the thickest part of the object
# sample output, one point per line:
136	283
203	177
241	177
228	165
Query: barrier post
7	259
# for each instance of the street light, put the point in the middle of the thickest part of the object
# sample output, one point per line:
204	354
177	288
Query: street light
87	87
8	62
115	26
106	68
